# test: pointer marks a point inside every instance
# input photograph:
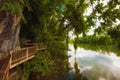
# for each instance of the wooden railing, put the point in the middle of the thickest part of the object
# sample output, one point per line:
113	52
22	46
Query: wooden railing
21	55
16	58
4	66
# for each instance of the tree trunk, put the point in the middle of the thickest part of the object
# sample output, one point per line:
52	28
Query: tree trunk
9	32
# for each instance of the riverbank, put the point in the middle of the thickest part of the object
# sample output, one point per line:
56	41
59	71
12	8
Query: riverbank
99	43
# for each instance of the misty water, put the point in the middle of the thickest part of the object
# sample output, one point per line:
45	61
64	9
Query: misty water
94	65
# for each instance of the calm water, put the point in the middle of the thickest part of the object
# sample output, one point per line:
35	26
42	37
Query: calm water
94	65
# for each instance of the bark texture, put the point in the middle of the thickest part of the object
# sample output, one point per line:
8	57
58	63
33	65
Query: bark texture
9	32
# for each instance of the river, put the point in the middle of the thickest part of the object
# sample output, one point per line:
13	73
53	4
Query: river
94	65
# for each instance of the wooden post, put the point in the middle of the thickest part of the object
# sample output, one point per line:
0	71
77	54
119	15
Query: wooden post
9	65
10	62
6	72
27	53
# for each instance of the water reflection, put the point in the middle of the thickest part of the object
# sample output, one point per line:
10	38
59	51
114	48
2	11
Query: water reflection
93	65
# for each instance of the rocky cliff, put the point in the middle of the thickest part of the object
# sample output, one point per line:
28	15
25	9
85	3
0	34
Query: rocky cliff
9	32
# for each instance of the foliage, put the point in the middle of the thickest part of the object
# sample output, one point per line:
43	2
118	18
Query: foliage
115	36
49	21
96	40
106	14
100	43
114	33
23	41
42	22
58	49
75	15
14	6
24	71
42	63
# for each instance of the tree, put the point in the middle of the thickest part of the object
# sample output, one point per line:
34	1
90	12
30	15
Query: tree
10	19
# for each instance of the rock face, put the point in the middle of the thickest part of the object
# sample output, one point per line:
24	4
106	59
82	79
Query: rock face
9	32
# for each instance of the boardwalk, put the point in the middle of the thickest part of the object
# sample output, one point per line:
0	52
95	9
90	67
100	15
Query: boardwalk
16	58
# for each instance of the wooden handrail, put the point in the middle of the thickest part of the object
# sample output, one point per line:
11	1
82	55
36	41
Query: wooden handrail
17	57
31	50
21	55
